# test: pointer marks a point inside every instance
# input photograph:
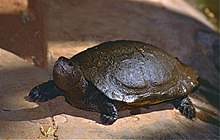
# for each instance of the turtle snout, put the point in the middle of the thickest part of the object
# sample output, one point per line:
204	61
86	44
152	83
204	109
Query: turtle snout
62	58
65	61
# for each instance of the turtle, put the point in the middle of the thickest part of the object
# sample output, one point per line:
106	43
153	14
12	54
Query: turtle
118	75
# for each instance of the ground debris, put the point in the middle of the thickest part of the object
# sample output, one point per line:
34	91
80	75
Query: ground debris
48	132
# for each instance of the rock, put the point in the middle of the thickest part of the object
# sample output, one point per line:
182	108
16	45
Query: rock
73	26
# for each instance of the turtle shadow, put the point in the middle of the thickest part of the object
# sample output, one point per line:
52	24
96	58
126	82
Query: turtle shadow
59	106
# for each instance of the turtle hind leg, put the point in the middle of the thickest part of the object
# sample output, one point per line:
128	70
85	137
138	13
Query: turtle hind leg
108	112
185	106
44	92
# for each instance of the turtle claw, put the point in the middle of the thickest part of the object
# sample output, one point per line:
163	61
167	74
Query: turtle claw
32	92
36	95
33	98
108	120
188	111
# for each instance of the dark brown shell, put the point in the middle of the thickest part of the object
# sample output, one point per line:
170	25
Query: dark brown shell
135	72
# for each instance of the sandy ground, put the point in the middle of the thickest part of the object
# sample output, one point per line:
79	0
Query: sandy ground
35	33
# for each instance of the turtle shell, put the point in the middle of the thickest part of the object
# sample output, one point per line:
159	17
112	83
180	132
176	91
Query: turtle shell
135	72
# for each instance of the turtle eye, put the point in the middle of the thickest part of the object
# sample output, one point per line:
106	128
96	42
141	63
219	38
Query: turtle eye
70	63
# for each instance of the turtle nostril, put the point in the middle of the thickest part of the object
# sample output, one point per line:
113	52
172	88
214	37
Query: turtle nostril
70	63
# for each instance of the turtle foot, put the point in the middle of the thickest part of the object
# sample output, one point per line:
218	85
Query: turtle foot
36	95
188	111
44	92
107	119
185	107
109	112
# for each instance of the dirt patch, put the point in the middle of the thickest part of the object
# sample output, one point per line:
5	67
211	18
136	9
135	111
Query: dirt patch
22	30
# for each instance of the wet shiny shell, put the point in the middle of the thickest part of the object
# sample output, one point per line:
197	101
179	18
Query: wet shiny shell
135	72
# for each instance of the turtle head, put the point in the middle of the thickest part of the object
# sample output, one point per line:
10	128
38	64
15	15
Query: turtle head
67	75
189	80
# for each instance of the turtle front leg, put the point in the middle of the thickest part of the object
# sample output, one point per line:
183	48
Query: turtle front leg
185	106
44	92
108	112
